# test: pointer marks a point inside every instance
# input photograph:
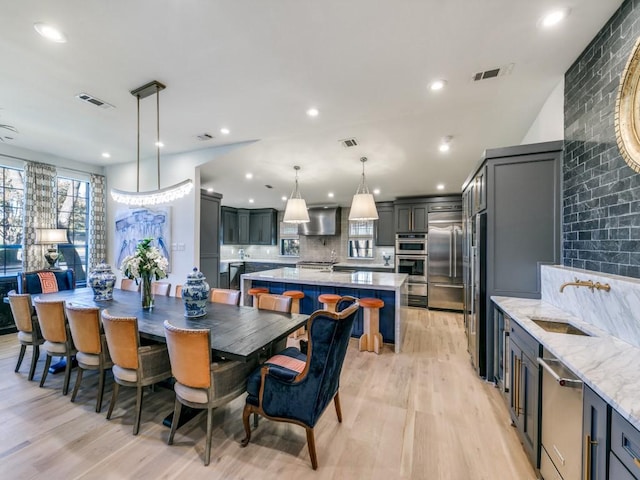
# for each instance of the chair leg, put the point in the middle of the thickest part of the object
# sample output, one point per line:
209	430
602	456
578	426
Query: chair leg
34	361
174	422
76	387
136	425
246	413
255	420
102	374
336	402
207	452
114	397
67	374
311	443
23	348
47	364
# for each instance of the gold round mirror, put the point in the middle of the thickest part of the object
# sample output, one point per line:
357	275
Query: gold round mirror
627	116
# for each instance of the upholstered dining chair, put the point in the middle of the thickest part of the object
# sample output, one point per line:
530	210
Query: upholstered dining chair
178	293
199	382
129	284
133	365
28	328
57	337
297	388
91	343
225	295
275	303
160	288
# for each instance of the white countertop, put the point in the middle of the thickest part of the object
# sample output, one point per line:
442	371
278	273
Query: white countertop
373	280
606	363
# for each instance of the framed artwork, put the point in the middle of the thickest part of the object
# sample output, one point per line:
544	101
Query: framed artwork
137	223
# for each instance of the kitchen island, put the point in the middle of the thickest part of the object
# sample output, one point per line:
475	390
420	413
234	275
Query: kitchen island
389	287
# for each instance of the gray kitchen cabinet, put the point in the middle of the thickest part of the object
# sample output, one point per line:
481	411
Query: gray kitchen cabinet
229	225
363	268
595	412
515	194
411	217
244	226
263	226
385	235
625	447
524	395
209	236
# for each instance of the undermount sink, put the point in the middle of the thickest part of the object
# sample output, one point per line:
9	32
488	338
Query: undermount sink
558	327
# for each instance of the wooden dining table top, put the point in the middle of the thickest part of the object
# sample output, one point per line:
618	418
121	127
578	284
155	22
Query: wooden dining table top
237	333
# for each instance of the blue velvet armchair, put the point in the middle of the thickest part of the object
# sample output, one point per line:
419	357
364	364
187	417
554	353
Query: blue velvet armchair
297	388
29	282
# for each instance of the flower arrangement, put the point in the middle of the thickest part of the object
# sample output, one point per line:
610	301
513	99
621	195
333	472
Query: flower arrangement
146	262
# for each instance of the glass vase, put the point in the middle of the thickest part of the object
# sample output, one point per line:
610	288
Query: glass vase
145	292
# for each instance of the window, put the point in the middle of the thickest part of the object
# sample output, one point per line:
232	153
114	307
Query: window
73	215
360	239
11	218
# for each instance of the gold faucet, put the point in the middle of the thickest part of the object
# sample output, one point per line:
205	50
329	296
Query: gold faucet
586	283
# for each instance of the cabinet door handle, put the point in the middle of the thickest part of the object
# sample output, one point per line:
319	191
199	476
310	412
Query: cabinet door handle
587	456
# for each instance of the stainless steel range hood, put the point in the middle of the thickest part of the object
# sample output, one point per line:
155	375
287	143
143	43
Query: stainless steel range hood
322	221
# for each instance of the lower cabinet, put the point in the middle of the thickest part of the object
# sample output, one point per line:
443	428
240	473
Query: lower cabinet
625	447
524	396
595	412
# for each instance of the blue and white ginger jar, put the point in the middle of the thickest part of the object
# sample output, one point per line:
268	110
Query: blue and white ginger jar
195	294
102	280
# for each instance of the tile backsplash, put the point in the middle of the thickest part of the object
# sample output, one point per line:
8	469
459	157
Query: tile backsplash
616	311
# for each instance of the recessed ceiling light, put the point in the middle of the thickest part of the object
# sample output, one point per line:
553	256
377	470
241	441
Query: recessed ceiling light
106	155
284	199
553	18
437	85
251	200
330	194
50	32
313	112
225	131
444	147
249	176
159	144
210	190
376	191
440	186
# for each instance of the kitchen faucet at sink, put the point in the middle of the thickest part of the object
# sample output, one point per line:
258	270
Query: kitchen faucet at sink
586	283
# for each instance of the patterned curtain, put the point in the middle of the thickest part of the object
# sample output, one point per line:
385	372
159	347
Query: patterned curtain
97	221
39	211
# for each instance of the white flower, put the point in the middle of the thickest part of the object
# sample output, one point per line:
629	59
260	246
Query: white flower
146	261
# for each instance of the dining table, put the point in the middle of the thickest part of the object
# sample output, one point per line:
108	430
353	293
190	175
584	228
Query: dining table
237	332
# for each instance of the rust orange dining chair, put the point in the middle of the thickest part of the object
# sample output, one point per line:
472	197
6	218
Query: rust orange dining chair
225	295
28	328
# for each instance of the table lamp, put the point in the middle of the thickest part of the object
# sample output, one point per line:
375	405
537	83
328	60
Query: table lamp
51	237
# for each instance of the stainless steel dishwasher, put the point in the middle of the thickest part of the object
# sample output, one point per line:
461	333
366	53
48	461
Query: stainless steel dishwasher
561	428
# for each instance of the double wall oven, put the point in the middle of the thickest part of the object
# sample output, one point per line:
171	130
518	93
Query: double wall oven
411	258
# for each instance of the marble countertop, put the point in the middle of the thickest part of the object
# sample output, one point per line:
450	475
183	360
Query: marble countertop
373	280
606	363
291	260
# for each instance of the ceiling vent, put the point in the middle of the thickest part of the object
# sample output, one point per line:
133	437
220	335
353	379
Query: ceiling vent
493	73
204	137
349	142
85	97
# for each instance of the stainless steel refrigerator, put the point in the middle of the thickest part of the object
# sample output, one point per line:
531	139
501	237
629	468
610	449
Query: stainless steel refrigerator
444	260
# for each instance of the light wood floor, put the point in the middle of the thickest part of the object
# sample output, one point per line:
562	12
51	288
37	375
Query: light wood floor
421	414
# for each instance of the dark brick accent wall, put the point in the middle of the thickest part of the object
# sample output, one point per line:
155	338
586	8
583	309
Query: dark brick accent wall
601	209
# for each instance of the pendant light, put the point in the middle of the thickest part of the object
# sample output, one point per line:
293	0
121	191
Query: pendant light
296	210
363	206
159	196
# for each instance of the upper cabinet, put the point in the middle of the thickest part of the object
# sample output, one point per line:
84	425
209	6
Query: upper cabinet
411	217
229	226
263	226
249	227
385	228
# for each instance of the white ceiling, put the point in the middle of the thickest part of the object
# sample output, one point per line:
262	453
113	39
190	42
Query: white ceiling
256	66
